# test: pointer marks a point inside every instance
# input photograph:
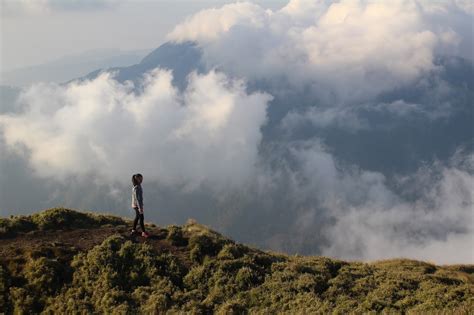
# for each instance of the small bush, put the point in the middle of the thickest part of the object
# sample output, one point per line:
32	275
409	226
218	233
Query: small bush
5	284
231	251
24	302
45	275
198	278
232	308
246	278
202	245
157	302
175	236
16	224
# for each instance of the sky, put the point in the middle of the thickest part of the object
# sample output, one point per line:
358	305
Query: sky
38	31
339	128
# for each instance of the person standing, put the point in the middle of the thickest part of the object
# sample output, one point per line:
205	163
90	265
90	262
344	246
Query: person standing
137	204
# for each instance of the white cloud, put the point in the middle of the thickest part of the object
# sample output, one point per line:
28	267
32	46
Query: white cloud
353	49
358	216
209	134
437	227
210	24
465	5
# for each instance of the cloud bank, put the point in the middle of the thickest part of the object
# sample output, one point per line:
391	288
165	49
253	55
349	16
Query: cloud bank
209	133
349	50
343	211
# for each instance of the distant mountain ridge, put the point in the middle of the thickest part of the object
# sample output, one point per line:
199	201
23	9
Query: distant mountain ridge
180	58
65	261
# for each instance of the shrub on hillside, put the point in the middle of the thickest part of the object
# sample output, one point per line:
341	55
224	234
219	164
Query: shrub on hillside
175	236
55	218
45	275
4	286
202	245
16	224
232	251
116	273
40	279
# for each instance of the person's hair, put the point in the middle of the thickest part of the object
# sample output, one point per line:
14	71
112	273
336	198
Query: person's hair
135	178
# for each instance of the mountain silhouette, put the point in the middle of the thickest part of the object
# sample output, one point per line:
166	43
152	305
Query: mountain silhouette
180	58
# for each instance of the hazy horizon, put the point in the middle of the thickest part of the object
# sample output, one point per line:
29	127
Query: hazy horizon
59	29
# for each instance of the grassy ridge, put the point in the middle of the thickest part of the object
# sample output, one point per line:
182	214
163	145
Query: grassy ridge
193	269
55	219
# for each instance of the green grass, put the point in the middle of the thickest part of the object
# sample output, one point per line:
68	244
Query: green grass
216	275
55	219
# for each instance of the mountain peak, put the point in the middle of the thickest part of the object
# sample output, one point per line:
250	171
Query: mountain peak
182	59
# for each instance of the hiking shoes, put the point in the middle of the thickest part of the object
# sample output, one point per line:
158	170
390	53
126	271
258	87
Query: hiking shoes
145	234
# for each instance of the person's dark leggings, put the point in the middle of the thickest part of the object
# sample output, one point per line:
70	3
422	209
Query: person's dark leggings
138	216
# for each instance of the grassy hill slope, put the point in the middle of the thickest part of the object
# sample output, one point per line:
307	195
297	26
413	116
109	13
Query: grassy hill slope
65	261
